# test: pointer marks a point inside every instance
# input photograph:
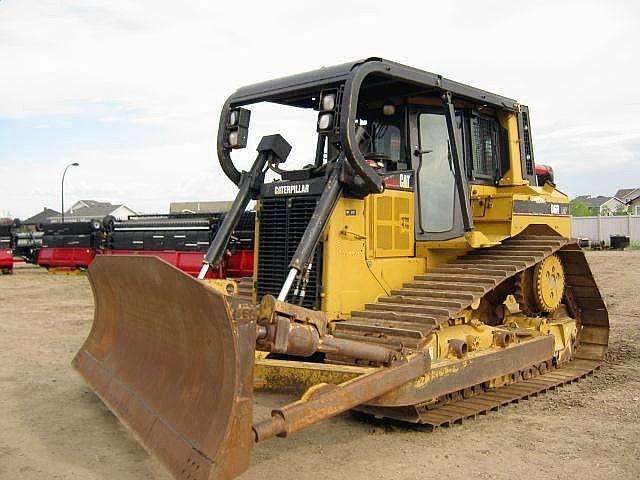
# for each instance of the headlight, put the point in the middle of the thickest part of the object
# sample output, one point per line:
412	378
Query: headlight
237	138
239	117
328	102
233	118
325	121
238	127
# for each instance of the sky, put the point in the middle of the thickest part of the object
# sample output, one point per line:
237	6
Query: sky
132	90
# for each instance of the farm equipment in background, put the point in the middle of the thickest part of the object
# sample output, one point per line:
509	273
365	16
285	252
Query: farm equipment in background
413	270
179	239
182	240
27	245
70	247
6	246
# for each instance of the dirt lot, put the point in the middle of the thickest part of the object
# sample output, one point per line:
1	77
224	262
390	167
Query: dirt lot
53	426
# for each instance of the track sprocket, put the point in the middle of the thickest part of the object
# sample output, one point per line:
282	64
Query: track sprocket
540	288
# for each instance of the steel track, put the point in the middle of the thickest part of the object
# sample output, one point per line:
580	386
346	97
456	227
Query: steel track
431	300
493	399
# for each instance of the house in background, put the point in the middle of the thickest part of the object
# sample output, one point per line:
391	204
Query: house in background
600	205
631	198
87	210
625	193
41	217
200	207
633	203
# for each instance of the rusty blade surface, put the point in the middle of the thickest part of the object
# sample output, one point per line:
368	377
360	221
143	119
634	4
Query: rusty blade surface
165	355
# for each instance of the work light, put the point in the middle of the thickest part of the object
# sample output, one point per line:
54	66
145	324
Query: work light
329	111
325	121
239	117
233	118
328	102
238	138
238	127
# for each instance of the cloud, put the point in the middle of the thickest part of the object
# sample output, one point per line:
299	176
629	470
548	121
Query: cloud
140	84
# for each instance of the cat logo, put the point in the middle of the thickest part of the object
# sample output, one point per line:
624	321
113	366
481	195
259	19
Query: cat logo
405	180
291	189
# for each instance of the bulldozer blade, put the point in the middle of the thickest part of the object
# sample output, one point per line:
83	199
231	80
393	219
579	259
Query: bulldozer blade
166	355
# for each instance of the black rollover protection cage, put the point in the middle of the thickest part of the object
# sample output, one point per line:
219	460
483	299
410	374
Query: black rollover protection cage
340	94
356	81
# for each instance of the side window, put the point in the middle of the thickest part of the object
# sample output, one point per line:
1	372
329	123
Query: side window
484	147
436	181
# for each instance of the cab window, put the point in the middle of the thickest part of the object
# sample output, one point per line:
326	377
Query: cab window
386	139
484	147
436	181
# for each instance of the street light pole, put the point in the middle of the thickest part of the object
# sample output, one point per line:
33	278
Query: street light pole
74	164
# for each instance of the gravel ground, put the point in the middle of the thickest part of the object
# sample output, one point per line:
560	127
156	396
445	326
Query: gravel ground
53	426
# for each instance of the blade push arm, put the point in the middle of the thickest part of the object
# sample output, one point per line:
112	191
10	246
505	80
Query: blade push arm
331	400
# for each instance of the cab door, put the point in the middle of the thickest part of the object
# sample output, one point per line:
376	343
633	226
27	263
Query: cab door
438	212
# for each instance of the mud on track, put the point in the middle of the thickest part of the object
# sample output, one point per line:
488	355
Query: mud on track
53	426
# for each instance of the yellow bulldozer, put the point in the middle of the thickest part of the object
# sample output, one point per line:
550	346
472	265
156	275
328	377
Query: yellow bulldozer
418	268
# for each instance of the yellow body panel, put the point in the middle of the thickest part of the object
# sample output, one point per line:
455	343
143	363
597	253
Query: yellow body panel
363	261
390	223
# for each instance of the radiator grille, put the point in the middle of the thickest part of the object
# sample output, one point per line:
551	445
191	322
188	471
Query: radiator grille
282	224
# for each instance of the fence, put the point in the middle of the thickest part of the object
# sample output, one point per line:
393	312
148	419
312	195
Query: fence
598	229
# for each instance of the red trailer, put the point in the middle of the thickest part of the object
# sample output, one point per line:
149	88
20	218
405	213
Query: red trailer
70	258
6	261
6	252
240	264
